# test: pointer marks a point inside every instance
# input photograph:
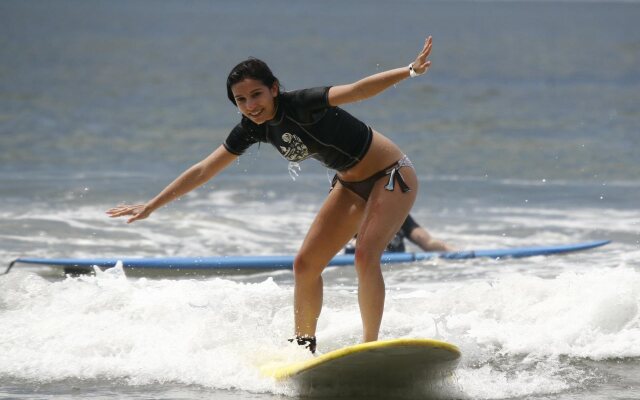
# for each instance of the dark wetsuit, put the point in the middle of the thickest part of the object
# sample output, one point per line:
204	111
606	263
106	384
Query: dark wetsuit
305	125
396	245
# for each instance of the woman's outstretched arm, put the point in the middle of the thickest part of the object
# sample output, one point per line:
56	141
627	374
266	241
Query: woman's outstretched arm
192	178
374	84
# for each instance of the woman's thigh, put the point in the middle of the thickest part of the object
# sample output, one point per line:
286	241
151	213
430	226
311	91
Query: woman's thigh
334	225
384	214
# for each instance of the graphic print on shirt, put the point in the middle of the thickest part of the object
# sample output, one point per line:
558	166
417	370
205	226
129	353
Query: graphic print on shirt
296	150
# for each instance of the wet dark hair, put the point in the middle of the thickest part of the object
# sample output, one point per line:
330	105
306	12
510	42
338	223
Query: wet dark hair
250	68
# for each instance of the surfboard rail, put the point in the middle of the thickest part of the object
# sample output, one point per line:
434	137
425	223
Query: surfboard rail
283	372
242	264
395	368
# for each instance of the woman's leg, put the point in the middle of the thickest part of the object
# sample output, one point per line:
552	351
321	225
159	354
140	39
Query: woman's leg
383	216
334	225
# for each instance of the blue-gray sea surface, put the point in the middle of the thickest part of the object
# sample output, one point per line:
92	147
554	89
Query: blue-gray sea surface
526	131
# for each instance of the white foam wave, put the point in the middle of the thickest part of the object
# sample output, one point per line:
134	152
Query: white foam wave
523	335
595	314
213	333
217	332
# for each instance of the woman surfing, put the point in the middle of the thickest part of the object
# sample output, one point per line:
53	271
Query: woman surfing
374	187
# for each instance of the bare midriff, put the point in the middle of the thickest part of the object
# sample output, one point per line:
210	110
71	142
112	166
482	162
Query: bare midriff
382	153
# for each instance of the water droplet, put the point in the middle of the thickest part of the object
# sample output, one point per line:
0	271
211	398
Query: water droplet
294	168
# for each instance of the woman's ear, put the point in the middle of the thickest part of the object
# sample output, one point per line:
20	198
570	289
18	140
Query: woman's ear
275	89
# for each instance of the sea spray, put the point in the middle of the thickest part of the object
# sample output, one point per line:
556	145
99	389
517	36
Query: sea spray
525	334
207	332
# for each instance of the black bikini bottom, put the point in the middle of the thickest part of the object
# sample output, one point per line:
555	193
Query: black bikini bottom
364	187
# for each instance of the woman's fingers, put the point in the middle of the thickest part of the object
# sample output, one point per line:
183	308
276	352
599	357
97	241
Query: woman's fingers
119	211
124	210
426	50
421	64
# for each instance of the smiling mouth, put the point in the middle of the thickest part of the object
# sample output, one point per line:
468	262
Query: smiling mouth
256	113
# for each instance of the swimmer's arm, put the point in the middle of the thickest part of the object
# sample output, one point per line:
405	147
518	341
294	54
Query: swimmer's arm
374	84
426	242
195	176
420	237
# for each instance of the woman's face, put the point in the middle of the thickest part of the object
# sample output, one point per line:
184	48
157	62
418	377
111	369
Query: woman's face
255	100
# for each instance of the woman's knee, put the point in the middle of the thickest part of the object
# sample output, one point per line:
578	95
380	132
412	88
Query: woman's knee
304	268
367	259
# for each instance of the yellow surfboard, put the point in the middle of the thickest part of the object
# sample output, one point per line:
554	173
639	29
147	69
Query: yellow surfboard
386	364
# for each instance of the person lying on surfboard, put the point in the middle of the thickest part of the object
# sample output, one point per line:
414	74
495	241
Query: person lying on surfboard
411	230
374	187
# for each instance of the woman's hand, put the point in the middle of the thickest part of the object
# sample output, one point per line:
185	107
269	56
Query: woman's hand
421	64
138	211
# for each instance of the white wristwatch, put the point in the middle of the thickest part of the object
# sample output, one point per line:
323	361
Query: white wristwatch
412	72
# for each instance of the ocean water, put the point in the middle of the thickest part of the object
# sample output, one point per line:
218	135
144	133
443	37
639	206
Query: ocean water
526	131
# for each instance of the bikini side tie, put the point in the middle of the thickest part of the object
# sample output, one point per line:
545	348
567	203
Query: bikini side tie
395	175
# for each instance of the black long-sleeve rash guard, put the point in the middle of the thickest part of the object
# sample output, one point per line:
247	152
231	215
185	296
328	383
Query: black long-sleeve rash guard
305	125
